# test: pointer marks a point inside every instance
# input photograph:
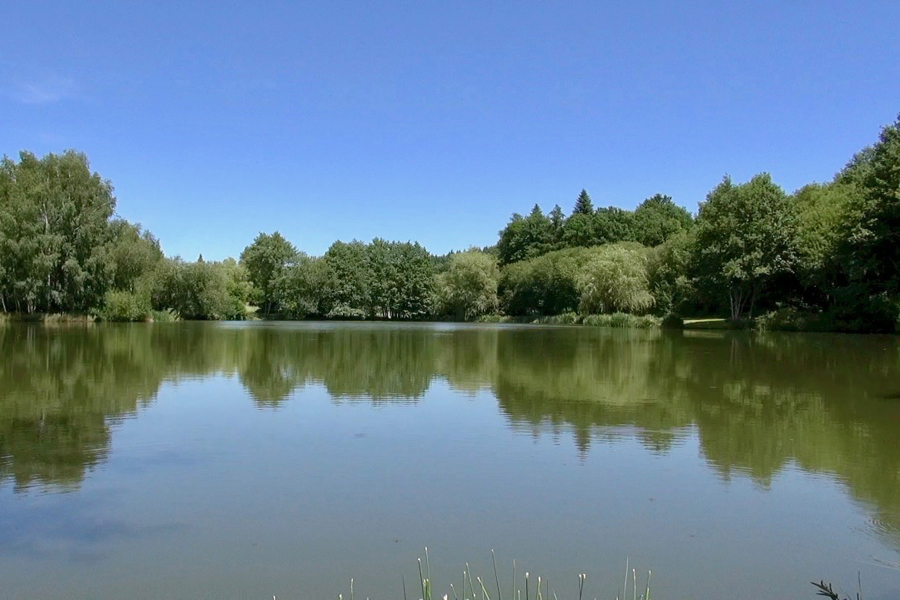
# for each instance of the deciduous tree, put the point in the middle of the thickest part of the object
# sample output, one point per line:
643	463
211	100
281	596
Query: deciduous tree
469	286
525	237
746	238
657	219
265	260
615	279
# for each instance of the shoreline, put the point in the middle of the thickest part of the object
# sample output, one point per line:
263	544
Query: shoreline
607	321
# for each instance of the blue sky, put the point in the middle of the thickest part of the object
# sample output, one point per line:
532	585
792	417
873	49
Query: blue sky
434	121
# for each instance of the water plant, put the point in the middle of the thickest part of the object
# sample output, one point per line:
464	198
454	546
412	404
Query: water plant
826	590
535	588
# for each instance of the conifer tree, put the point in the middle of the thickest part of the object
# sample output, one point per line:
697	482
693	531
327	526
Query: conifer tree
583	205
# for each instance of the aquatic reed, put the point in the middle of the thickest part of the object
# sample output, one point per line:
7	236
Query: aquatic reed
534	588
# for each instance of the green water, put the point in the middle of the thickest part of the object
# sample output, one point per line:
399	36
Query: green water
225	460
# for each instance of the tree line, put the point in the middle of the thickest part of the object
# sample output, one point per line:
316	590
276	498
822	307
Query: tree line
826	256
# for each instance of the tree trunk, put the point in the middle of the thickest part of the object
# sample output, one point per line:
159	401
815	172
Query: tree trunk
736	297
752	301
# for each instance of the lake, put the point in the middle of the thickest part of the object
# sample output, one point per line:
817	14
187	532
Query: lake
246	460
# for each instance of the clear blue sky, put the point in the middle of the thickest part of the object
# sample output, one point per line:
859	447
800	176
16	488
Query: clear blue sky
434	121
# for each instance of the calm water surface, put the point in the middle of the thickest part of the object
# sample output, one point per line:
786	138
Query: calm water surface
249	460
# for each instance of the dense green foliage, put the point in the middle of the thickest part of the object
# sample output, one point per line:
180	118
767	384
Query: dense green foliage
349	282
385	280
201	290
615	279
402	280
468	288
828	254
63	250
667	268
120	305
545	285
654	221
298	290
526	237
657	219
266	260
745	239
56	234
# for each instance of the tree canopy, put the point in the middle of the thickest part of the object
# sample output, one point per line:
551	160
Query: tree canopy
830	250
526	237
468	288
55	233
658	218
746	238
615	279
265	260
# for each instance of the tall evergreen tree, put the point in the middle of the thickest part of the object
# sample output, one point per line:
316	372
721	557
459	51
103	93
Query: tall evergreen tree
583	205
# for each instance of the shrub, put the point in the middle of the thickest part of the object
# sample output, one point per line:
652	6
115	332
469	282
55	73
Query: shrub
494	318
164	316
200	290
795	319
566	318
622	321
125	306
783	319
879	314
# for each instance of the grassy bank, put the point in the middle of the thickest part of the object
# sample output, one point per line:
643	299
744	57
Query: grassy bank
792	319
618	320
158	316
47	318
788	319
